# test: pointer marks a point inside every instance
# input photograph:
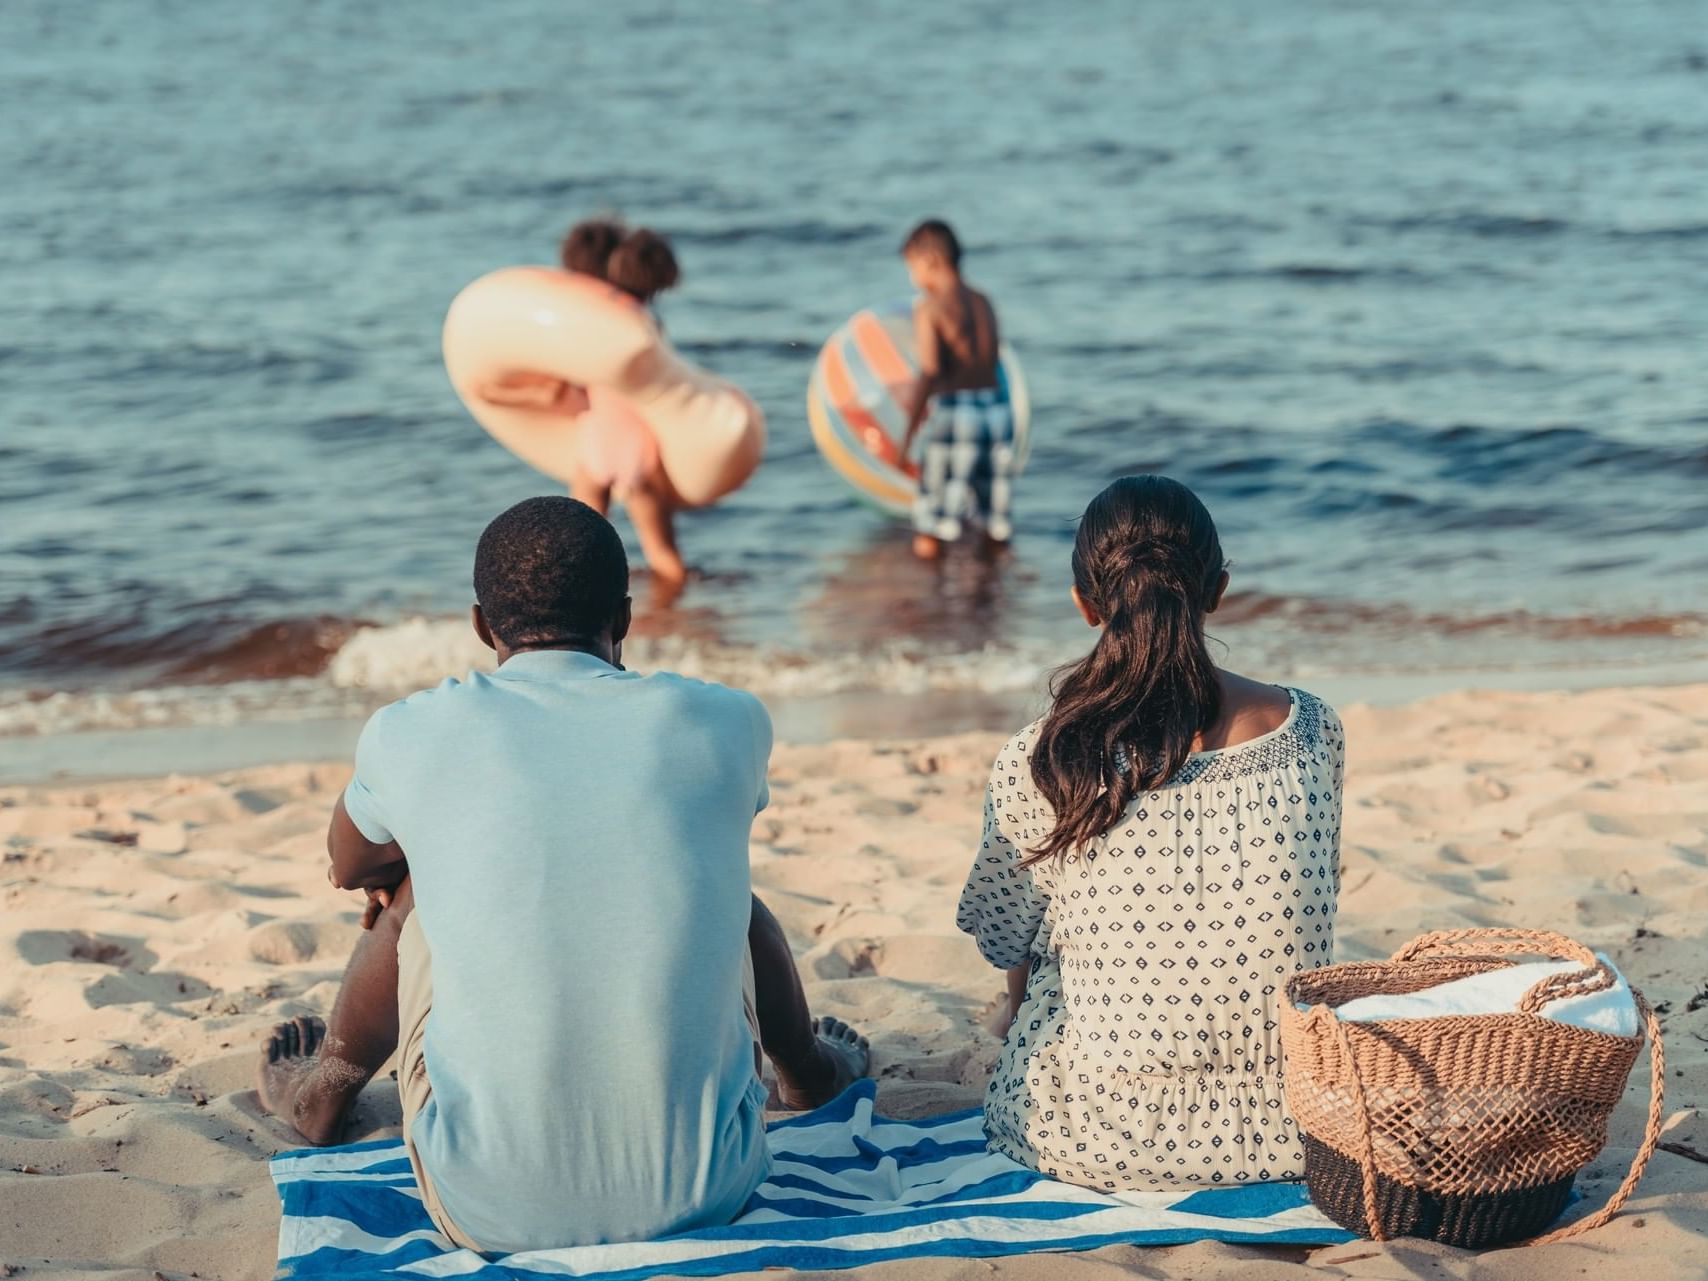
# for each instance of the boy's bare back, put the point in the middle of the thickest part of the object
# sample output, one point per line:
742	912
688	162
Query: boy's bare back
956	331
970	460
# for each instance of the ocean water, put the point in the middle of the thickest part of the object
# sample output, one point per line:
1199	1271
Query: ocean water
1412	295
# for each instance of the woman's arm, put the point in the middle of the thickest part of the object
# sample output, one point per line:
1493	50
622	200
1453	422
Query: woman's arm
532	391
1017	977
1001	906
1002	1017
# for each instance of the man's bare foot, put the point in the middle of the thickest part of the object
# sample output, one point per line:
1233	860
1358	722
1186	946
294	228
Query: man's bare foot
844	1056
926	547
308	1090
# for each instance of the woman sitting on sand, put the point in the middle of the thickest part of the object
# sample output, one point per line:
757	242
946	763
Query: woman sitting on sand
618	456
1161	851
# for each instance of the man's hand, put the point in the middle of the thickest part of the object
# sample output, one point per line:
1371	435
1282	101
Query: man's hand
378	901
378	896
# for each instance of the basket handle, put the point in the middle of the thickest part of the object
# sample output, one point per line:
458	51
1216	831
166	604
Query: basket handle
1595	976
1366	1137
1651	1135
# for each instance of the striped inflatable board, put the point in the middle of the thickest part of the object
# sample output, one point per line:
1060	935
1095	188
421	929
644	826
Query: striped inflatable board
858	397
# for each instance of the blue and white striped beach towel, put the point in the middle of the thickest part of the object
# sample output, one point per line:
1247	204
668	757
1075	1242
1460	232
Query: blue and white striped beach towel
848	1188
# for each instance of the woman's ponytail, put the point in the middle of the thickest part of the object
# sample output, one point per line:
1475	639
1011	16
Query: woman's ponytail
1124	719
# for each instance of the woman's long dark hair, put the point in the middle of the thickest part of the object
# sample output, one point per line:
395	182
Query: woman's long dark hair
1124	718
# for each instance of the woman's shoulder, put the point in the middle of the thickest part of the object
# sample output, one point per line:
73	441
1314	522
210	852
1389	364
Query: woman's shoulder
1312	729
1250	710
1307	738
1272	706
1314	718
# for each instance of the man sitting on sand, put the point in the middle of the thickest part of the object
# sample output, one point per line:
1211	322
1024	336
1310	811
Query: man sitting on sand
563	947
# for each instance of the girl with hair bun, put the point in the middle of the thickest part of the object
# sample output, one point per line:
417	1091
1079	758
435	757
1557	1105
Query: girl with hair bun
1161	853
640	262
588	246
643	265
619	456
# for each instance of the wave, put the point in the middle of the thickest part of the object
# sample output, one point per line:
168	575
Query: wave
211	642
1486	225
1501	456
1337	616
1310	273
209	648
244	682
1677	231
804	232
777	348
423	651
272	651
25	713
1471	223
330	669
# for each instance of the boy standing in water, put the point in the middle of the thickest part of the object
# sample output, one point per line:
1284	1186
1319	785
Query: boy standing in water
968	467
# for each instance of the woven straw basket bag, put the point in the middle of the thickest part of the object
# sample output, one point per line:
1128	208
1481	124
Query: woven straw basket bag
1468	1128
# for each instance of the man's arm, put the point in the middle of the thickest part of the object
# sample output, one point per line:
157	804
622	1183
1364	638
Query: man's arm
357	862
925	341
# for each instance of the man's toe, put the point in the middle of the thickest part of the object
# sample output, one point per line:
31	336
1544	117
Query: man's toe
308	1033
278	1042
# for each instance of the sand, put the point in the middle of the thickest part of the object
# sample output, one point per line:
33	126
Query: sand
152	929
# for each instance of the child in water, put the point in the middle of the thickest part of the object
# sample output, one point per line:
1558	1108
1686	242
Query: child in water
968	468
619	457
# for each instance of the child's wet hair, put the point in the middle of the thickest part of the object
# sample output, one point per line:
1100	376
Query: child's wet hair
589	245
550	572
933	236
643	265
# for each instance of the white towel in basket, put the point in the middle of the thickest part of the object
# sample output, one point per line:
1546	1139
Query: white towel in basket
1499	992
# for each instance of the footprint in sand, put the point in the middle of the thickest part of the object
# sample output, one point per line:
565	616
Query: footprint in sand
45	947
293	942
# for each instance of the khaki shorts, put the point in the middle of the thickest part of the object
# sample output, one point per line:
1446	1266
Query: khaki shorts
414	1003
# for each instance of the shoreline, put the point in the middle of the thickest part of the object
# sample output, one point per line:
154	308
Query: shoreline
98	755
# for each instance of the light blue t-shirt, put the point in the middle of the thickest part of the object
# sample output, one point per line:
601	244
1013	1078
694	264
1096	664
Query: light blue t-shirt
577	836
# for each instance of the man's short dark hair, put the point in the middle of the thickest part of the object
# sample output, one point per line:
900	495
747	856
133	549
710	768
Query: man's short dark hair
934	236
550	571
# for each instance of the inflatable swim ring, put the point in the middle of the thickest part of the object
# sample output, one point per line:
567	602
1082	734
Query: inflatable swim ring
541	321
858	397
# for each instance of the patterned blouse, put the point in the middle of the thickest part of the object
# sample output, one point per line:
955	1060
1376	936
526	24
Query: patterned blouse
1146	1051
